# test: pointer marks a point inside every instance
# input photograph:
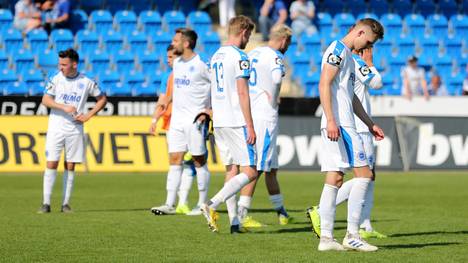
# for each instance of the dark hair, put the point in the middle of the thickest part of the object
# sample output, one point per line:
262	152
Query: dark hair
375	26
189	35
170	48
71	54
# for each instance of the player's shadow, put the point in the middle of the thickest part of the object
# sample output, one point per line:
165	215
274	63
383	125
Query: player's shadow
462	232
266	210
373	220
404	246
114	210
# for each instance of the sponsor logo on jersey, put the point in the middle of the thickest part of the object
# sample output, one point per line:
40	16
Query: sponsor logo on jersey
278	61
70	98
362	156
244	64
334	59
182	81
365	70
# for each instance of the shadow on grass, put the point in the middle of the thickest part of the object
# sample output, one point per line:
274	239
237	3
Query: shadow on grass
113	210
462	232
418	245
372	220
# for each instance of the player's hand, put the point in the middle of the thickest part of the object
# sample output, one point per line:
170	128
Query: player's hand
251	136
152	128
377	132
333	133
82	118
69	109
367	56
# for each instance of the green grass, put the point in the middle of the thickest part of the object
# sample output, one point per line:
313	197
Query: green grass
425	214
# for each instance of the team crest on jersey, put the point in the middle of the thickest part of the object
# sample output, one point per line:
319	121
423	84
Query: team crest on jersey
81	86
362	156
244	64
365	70
278	61
192	69
334	59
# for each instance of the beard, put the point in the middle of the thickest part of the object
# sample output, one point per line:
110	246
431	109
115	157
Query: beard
178	52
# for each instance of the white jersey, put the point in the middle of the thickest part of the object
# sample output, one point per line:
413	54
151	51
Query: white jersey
69	91
364	75
264	86
227	65
342	89
191	90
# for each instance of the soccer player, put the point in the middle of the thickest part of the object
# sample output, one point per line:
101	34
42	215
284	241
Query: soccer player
232	120
66	94
342	146
267	71
190	96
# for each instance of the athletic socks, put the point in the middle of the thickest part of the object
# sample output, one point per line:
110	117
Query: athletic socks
68	178
355	203
244	204
343	192
172	183
203	181
232	210
185	184
48	184
277	202
366	209
229	189
327	210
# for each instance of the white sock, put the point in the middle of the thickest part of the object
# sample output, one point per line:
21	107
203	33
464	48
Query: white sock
229	189
68	178
343	192
172	183
185	184
327	209
244	204
276	201
232	210
48	184
203	181
355	202
366	209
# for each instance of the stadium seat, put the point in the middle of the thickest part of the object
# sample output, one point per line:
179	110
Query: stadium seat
396	63
23	59
34	80
138	42
155	79
300	62
151	21
173	20
113	41
311	42
293	47
325	23
402	7
4	60
462	62
134	78
438	24
161	40
6	20
344	21
199	21
38	40
118	5
332	6
406	46
7	78
384	47
92	5
367	15
430	45
379	7
448	7
142	5
211	42
416	25
356	6
393	26
126	22
460	25
124	61
47	60
388	85
425	7
12	40
145	90
87	41
443	64
454	84
61	39
16	89
108	79
99	61
119	89
453	46
100	21
149	62
310	83
79	20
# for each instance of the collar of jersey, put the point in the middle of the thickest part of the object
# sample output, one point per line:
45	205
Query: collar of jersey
182	59
75	77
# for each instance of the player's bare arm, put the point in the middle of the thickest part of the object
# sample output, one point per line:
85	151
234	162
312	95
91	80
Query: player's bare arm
244	101
361	113
101	102
48	101
326	78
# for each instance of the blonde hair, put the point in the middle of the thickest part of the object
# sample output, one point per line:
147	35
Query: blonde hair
375	26
280	31
238	24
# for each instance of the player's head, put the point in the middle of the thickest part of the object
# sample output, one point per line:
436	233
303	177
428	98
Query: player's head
184	38
68	62
239	29
366	32
170	55
280	35
413	61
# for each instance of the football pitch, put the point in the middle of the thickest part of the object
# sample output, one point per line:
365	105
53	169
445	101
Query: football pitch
425	215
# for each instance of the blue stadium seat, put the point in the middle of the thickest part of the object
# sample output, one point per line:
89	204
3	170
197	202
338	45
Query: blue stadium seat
443	64
142	5
406	46
396	63
325	23
344	21
108	79
6	20
430	45
124	61
61	39
23	59
293	47
120	89
379	7
448	7
151	21
79	20
100	21
34	79
426	61
156	79
388	86
384	47
149	62
4	60
453	45
402	7
113	41
300	62
12	40
416	25
393	25
99	61
126	21
117	5
173	20
92	5
199	21
134	78
87	41
454	84
332	6
356	6
310	83
367	15
460	25
211	42
425	7
16	89
145	90
47	60
7	78
38	40
312	43
438	24
161	40
462	62
138	42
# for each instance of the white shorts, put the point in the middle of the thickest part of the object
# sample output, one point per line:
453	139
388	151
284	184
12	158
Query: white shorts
187	139
368	142
72	143
267	153
233	146
347	152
